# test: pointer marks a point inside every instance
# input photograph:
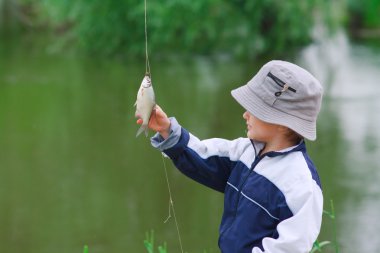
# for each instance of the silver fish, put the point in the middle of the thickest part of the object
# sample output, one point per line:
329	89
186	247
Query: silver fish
145	103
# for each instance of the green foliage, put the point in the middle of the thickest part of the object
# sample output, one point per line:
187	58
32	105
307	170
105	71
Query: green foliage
85	249
245	28
364	13
149	244
241	28
317	247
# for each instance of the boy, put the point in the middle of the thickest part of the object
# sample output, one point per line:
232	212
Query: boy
273	199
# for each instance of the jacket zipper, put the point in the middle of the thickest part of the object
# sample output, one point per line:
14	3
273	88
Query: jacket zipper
257	160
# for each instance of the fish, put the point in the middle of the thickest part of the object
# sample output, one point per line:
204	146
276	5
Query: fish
145	103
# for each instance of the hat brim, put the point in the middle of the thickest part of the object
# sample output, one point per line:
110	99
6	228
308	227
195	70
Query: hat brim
257	107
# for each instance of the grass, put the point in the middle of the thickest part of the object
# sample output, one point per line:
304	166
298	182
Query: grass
149	244
317	247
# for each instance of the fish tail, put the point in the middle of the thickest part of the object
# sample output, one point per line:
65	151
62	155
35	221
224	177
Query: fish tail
142	129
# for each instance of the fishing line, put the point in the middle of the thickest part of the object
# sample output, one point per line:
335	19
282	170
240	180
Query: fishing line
171	203
147	66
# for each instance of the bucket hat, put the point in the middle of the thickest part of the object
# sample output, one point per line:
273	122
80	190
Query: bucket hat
285	94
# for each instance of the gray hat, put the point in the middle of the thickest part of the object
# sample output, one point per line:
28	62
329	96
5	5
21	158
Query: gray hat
285	94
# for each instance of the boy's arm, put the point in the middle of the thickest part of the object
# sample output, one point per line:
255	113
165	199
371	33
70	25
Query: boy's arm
298	233
208	162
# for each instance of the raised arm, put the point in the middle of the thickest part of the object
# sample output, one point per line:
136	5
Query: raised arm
208	162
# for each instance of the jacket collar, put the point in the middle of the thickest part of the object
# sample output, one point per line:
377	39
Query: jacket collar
258	146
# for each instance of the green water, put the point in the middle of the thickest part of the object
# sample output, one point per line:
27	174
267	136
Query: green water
73	173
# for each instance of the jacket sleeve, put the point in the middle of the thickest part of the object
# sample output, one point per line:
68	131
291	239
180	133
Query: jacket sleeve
208	162
298	233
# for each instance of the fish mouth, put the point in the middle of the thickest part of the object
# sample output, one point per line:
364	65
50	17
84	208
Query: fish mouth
147	80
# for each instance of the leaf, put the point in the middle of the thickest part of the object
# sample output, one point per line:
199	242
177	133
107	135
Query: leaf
149	241
319	245
324	243
162	249
85	249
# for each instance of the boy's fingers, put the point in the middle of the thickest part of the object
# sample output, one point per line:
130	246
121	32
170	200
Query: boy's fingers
139	121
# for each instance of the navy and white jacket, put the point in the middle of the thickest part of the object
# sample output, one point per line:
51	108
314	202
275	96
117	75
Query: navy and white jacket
272	203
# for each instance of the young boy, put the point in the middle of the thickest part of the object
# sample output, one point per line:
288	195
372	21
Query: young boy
273	200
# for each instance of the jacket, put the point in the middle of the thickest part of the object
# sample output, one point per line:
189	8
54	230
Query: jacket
272	203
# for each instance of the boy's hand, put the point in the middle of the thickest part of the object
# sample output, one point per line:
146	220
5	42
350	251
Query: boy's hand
158	122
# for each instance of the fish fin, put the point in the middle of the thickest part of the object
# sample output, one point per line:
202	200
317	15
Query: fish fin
146	132
142	129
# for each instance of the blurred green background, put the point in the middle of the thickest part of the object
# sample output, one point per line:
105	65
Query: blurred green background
73	173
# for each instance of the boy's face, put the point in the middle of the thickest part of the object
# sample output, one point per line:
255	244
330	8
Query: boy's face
260	130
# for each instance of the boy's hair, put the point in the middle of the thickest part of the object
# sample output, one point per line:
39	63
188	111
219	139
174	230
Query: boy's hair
293	136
